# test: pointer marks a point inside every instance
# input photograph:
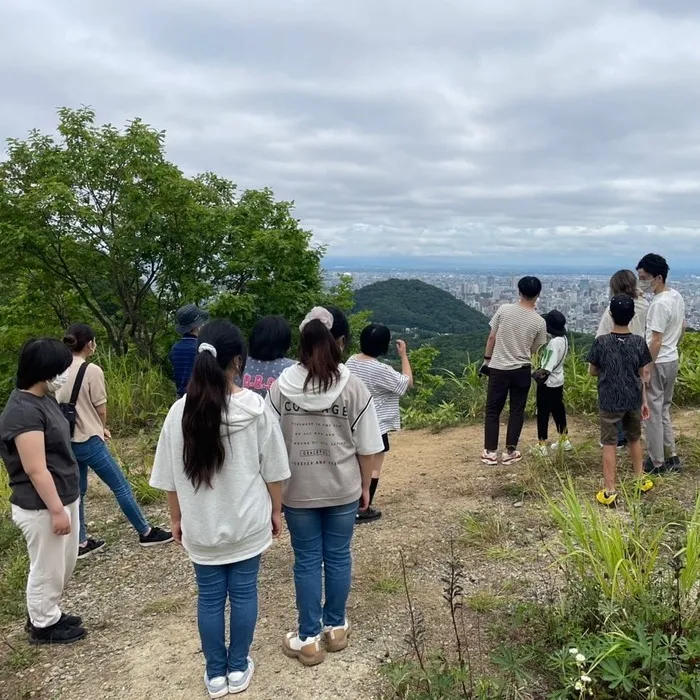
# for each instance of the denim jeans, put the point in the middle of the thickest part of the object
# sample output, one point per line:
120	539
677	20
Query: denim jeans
238	582
321	541
95	454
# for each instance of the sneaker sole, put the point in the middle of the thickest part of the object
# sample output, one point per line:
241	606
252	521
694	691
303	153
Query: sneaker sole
218	693
56	642
359	521
87	555
333	646
489	462
155	544
235	689
304	659
514	460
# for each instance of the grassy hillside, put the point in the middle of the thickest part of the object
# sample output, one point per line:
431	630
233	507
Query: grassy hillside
402	304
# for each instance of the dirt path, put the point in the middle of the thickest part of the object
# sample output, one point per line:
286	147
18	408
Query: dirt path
139	604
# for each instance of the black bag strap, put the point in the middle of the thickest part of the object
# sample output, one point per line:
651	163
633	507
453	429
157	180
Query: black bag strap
78	383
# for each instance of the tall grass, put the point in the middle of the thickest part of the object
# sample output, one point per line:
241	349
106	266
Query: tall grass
140	393
13	558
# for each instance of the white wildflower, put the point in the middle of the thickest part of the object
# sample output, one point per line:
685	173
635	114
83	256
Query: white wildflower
585	679
578	685
573	651
580	658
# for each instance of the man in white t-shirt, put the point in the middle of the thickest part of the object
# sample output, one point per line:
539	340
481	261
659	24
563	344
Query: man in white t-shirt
665	327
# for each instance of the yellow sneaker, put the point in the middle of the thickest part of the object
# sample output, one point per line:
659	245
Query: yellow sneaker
645	484
607	499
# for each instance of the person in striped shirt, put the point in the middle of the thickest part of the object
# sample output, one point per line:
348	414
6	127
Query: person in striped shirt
387	386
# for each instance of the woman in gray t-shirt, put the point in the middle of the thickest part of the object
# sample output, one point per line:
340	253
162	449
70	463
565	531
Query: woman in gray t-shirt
43	476
269	342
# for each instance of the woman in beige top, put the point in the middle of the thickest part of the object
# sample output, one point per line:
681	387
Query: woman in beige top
89	442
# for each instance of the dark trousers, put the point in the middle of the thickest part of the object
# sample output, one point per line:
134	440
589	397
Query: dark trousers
513	383
550	402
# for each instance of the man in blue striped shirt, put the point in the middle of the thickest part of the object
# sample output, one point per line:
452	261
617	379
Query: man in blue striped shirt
183	354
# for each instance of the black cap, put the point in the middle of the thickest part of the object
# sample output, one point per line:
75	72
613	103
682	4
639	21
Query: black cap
622	309
556	323
189	318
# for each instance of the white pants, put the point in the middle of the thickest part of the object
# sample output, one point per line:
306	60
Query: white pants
51	561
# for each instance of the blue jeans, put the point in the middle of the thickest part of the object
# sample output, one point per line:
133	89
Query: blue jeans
620	433
94	454
321	541
238	582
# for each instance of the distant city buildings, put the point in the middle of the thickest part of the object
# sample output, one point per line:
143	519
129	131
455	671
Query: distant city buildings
581	298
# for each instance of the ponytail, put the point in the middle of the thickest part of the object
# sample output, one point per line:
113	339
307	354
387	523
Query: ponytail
206	403
320	355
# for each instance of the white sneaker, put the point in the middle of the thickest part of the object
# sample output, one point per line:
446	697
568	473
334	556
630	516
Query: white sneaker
563	445
238	681
490	458
540	451
216	687
511	457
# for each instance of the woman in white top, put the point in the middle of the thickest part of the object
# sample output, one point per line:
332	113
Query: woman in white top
387	386
625	282
222	459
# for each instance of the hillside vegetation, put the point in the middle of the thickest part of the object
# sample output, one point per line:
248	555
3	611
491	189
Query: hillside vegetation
413	304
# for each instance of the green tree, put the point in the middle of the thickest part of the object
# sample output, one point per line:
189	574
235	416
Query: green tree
117	234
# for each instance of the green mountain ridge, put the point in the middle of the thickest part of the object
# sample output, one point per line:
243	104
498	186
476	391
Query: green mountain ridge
416	305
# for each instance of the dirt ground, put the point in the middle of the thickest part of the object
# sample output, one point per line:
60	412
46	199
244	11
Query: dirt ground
140	604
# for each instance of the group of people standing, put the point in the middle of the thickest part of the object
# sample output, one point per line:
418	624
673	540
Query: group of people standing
635	357
249	441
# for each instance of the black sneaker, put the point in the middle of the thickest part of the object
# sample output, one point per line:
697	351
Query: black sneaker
69	620
60	633
621	444
368	516
90	548
155	537
673	464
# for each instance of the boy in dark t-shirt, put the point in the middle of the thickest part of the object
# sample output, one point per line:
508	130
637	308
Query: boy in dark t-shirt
621	361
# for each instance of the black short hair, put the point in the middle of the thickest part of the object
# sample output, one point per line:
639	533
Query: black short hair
341	327
40	360
655	265
375	339
622	309
530	287
270	338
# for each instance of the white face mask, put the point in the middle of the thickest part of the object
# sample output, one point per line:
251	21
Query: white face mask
58	382
645	285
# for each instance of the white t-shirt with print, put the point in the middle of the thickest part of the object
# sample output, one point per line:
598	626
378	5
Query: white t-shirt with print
666	315
553	361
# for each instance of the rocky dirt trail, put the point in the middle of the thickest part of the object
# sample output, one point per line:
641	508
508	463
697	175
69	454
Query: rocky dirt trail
139	605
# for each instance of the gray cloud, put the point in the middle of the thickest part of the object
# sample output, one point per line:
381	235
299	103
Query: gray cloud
493	127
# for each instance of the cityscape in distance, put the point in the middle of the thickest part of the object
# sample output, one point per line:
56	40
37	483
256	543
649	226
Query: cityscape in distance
581	297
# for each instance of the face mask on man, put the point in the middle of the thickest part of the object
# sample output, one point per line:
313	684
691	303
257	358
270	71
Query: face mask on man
58	382
645	286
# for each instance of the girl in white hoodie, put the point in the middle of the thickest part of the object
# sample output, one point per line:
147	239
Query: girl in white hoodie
331	430
222	460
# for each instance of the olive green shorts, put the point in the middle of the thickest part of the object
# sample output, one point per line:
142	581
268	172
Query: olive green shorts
631	424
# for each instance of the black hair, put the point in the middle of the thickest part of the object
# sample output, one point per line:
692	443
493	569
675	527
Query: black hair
622	309
655	265
320	354
270	338
530	287
206	401
78	336
375	339
341	327
41	360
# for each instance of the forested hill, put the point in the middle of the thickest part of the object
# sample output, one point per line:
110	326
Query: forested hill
402	304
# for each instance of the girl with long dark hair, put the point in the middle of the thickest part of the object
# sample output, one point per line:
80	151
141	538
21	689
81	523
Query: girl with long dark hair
222	460
332	433
90	437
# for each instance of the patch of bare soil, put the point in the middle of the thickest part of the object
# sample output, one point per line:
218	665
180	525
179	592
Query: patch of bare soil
140	605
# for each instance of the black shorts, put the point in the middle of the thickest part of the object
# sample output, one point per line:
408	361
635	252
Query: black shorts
385	440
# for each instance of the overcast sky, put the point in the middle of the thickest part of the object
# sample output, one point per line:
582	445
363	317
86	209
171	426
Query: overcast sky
512	128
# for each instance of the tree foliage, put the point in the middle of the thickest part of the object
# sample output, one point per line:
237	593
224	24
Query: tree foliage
109	231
